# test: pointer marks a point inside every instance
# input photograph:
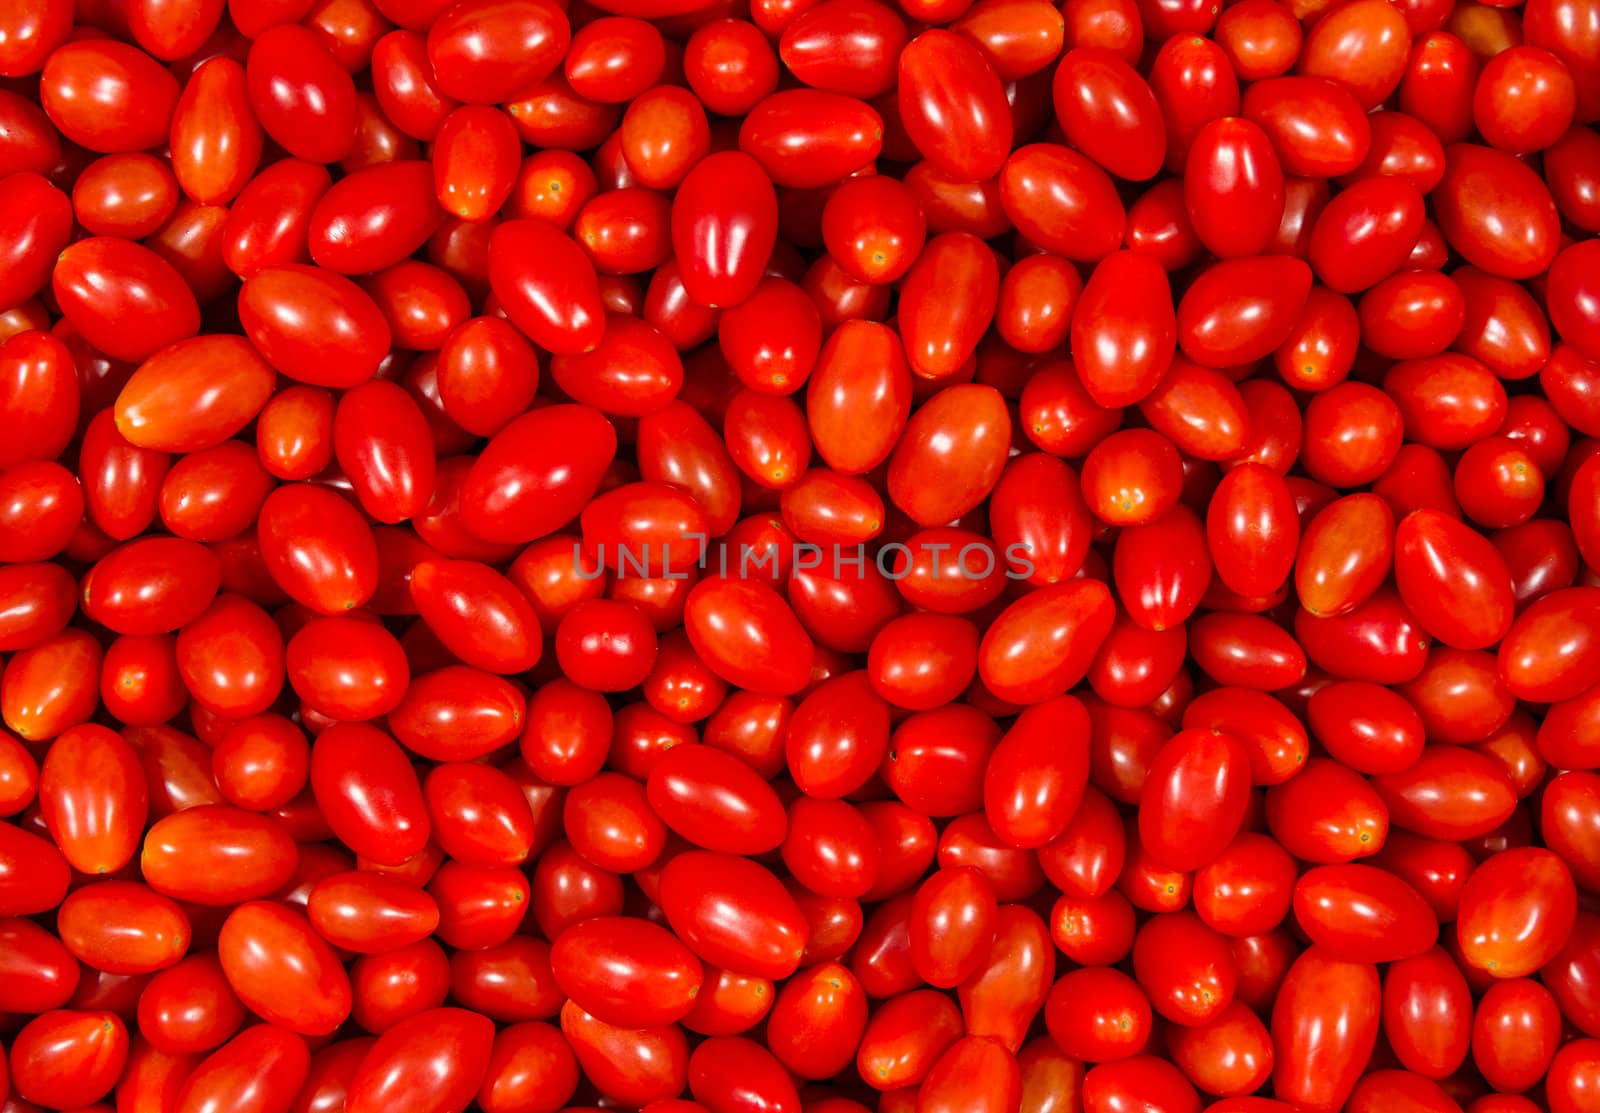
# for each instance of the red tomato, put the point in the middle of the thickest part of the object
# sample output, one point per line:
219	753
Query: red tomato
1453	580
1124	329
724	225
748	635
261	1067
68	1058
122	927
732	1073
530	480
1233	188
1037	774
1194	799
953	106
638	1066
1327	814
369	913
435	1059
1516	911
976	1075
733	914
1427	1010
1109	112
369	793
1450	793
93	797
282	970
1098	1014
1324	1026
1043	644
1358	912
217	855
313	325
1496	212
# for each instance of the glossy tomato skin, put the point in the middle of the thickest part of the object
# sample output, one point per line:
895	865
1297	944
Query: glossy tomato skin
716	801
973	1074
1109	112
952	105
1363	235
282	970
370	913
94	798
151	586
68	1058
434	1059
1359	912
1325	1024
1514	1033
123	927
1427	1009
1480	232
940	335
1037	774
108	96
1194	798
537	473
733	913
559	307
748	635
1470	605
1511	928
638	1066
1043	644
1252	530
732	1072
313	325
848	47
904	1038
182	853
1327	814
1450	793
1098	1014
369	793
1241	310
266	1063
317	660
303	98
478	614
724	226
1364	49
649	976
35	236
102	282
1124	330
1233	187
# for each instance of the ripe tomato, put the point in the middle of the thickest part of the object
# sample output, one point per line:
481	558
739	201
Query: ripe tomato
282	970
1324	1026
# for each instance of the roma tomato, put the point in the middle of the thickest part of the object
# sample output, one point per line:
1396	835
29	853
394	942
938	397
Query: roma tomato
1194	798
1324	1026
733	913
93	798
724	226
1517	910
1109	112
953	106
1360	913
1124	329
282	970
436	1059
1036	775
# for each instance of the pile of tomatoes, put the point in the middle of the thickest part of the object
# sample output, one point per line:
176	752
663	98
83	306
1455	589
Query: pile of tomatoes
800	556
